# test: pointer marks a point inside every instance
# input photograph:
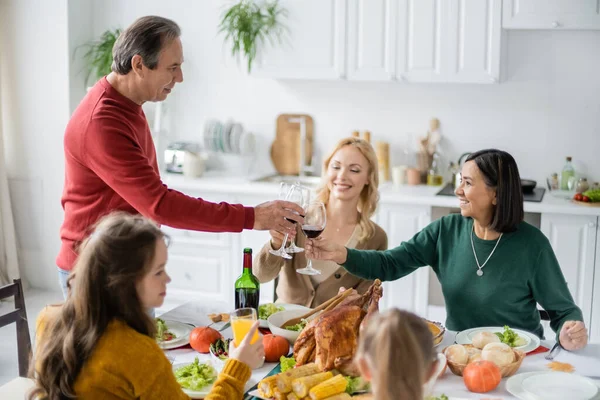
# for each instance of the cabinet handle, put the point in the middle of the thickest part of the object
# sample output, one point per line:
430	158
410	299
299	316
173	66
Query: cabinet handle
555	24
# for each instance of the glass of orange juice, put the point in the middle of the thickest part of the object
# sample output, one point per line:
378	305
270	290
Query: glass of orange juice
242	320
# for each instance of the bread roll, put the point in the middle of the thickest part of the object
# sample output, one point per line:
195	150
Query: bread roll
474	354
483	338
499	353
457	354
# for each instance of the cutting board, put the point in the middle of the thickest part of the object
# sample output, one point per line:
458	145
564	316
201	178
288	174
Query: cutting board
285	150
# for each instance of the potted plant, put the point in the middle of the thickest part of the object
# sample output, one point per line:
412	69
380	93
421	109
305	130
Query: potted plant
98	57
248	24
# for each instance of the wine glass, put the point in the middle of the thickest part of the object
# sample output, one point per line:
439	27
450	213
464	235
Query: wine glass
291	193
314	224
305	201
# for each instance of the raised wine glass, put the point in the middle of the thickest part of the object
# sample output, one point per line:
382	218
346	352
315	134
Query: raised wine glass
315	220
305	201
291	193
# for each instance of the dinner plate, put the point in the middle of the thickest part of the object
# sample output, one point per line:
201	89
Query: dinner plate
182	333
196	394
263	322
514	385
559	386
466	337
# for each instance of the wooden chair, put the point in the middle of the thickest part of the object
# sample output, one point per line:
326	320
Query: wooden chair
18	316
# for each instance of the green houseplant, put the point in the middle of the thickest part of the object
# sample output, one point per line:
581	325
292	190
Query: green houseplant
247	24
98	56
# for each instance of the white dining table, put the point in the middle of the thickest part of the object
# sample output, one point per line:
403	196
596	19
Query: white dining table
585	361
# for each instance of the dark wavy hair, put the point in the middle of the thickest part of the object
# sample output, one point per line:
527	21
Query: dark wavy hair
102	288
500	172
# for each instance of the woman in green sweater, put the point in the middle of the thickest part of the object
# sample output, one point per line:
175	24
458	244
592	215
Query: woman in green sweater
493	267
100	344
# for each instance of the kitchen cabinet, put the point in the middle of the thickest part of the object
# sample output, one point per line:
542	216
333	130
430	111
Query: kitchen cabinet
402	222
551	14
574	239
313	46
594	329
390	40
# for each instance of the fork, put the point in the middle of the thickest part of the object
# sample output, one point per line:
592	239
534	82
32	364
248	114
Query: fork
550	356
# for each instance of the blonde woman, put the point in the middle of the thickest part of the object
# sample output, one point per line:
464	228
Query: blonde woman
349	192
396	354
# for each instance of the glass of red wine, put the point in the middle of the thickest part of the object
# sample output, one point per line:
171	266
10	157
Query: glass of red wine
305	201
315	220
294	194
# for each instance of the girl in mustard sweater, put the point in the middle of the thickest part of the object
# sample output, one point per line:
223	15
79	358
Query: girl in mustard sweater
100	344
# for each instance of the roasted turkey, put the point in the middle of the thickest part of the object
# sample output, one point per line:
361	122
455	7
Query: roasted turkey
331	339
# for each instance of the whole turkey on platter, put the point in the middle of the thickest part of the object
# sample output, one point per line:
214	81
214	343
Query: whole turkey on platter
331	339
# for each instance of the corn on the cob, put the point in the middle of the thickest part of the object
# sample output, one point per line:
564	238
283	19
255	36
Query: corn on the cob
292	396
277	395
301	386
284	380
341	396
330	387
266	386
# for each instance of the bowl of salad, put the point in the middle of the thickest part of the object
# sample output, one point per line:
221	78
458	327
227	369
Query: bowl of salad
196	378
290	333
219	351
268	309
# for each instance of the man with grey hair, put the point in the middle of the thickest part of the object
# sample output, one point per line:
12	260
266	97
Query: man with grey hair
111	160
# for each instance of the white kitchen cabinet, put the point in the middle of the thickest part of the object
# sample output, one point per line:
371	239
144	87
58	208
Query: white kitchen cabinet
574	241
551	14
314	45
594	329
402	222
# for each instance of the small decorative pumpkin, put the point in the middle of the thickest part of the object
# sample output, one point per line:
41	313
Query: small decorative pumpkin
481	376
202	337
275	347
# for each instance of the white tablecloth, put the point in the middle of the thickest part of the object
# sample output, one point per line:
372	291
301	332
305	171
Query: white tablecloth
586	361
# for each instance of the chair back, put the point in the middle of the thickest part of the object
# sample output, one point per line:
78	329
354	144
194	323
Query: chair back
18	317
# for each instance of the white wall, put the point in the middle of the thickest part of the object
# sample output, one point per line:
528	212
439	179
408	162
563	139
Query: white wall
546	108
35	80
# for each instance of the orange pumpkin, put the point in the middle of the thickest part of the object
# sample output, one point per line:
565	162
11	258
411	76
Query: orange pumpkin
481	376
275	347
201	338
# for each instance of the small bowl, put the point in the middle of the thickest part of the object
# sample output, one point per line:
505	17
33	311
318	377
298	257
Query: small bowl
278	318
439	371
437	330
219	361
505	371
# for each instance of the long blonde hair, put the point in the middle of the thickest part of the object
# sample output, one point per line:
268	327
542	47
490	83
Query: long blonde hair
398	348
369	197
112	260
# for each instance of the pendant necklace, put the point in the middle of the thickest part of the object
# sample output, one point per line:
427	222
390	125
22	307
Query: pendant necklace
480	267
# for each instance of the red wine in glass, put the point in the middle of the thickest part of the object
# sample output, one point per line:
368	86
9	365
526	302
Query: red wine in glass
312	231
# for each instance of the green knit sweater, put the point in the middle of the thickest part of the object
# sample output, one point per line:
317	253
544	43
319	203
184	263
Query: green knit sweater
522	271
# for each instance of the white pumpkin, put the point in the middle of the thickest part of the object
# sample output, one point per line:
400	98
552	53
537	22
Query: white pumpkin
499	353
481	339
457	354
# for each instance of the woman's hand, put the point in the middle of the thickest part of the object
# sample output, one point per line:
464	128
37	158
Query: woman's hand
250	354
323	249
277	238
573	335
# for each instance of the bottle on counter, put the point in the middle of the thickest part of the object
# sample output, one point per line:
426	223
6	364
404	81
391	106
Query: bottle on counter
554	181
568	172
434	178
247	287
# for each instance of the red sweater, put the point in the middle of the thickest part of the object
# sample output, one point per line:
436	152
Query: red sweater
110	165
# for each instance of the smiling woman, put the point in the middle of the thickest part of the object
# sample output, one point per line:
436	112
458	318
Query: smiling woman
520	266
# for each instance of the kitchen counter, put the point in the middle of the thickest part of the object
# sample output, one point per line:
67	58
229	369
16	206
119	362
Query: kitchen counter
406	194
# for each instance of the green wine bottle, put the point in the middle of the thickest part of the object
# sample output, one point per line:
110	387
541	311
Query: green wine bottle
247	287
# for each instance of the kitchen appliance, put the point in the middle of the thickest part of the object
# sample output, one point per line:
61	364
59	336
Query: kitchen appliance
535	195
175	155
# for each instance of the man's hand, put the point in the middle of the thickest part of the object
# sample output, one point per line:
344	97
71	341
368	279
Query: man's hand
323	249
272	216
573	335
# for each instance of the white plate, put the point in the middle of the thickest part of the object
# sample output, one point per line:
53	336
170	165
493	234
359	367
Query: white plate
559	386
197	394
514	385
258	396
182	333
263	322
466	337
